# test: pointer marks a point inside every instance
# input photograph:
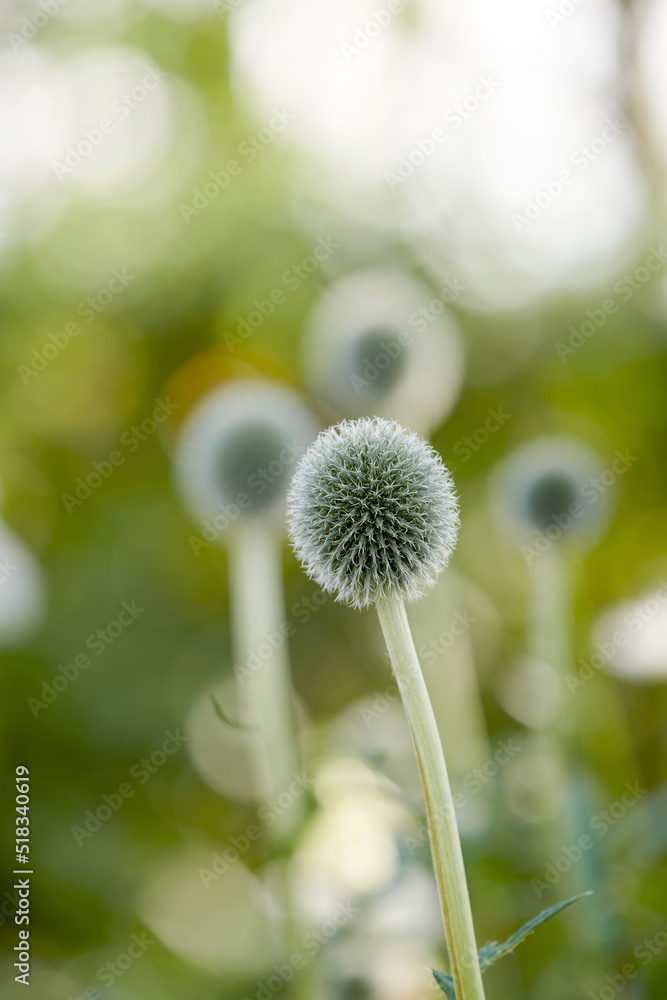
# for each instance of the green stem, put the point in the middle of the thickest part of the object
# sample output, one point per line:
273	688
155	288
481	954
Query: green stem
454	691
441	819
265	689
551	638
550	610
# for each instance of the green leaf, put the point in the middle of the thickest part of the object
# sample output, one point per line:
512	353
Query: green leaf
446	984
491	952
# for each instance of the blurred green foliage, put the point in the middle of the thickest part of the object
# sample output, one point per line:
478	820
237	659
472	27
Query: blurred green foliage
163	338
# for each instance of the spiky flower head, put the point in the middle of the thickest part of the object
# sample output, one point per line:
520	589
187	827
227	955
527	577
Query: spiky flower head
372	512
238	450
551	485
369	350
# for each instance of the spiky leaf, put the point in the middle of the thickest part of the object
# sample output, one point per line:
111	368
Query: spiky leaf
446	984
492	951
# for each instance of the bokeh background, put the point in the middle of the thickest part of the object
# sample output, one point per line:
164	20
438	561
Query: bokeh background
188	191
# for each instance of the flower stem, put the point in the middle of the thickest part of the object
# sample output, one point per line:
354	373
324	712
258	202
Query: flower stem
441	819
265	689
550	610
454	692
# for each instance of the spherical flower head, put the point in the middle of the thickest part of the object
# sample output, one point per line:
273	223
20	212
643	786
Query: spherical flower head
372	512
238	450
363	353
550	486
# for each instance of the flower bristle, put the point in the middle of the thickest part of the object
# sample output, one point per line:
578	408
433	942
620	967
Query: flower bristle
372	512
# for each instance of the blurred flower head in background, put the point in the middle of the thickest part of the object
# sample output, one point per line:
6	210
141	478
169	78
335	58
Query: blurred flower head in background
379	343
239	448
104	123
557	487
632	637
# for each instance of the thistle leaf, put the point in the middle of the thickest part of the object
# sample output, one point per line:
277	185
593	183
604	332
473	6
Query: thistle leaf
446	984
492	951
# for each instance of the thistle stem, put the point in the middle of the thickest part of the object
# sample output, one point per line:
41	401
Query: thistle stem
454	691
550	610
265	689
441	819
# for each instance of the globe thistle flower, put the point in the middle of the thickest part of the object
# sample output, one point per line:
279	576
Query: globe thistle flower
233	462
552	494
372	512
379	342
373	518
551	488
238	449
